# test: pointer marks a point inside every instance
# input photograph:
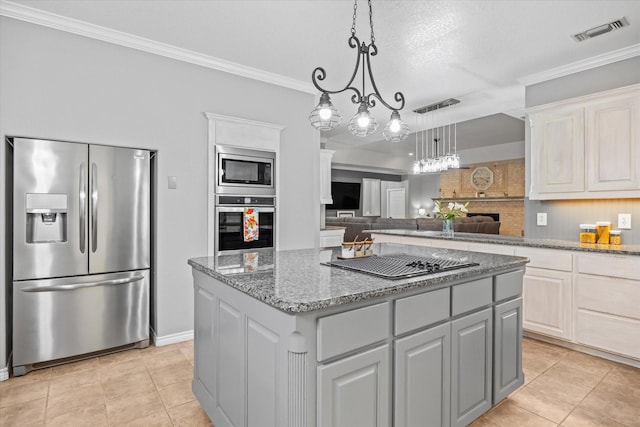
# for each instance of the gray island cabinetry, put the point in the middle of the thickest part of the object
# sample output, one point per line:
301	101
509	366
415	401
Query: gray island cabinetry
283	340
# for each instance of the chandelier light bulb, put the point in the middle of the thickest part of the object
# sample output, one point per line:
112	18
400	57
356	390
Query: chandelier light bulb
394	126
363	120
325	113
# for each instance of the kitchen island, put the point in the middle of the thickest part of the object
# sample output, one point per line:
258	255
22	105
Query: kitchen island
283	340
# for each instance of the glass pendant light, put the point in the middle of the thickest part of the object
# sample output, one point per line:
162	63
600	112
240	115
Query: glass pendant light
325	116
396	130
363	124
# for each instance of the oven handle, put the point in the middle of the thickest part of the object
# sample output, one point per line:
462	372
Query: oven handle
240	209
74	286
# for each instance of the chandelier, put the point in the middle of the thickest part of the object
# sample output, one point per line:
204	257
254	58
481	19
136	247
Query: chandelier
326	117
437	145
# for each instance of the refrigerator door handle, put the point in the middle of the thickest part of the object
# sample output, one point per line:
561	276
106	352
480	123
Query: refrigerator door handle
83	207
94	207
74	286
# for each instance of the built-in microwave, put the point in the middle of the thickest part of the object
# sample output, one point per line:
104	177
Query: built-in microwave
246	172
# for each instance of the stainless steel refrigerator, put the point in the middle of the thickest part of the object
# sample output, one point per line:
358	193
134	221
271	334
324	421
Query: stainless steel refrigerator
81	250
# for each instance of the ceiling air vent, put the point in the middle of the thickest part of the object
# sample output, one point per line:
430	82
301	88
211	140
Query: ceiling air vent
601	29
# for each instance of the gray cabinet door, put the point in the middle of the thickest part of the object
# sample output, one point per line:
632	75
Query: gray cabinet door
507	350
471	365
422	378
355	391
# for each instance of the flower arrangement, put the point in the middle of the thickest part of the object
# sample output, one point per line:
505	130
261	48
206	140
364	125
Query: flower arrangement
453	210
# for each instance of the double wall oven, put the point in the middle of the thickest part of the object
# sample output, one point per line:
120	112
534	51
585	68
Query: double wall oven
245	193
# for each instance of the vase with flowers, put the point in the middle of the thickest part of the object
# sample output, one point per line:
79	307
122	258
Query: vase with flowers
448	214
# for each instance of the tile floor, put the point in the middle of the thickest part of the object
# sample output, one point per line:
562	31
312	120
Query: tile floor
152	387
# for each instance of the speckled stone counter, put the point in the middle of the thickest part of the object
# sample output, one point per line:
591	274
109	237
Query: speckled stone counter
519	241
296	281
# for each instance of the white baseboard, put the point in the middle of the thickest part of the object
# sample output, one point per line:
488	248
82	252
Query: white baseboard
4	374
172	339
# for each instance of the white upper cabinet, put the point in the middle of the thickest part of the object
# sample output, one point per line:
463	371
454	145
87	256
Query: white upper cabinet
325	177
613	157
587	147
370	197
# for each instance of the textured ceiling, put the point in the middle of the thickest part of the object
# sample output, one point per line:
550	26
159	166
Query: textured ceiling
477	51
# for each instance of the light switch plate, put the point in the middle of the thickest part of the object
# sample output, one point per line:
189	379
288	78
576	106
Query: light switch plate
624	221
541	218
173	182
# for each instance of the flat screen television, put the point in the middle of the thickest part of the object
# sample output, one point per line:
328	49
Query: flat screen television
345	195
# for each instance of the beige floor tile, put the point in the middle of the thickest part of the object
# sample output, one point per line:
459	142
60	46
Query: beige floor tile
23	393
89	416
542	404
122	369
73	381
581	417
189	415
542	348
32	377
130	385
620	403
188	353
119	357
170	374
186	344
126	408
24	413
68	368
176	394
587	363
72	400
161	360
510	415
530	375
566	383
625	375
158	419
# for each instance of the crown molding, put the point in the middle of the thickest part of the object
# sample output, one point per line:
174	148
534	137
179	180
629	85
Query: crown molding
74	26
586	64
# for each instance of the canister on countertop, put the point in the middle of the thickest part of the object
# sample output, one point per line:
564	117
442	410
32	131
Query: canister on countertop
587	233
615	237
602	231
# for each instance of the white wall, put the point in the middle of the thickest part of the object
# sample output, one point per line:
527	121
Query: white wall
58	85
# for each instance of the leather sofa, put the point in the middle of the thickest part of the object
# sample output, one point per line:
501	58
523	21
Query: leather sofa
355	226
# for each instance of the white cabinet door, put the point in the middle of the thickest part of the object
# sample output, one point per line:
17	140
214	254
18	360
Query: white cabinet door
557	153
422	378
325	176
547	302
370	197
613	156
355	391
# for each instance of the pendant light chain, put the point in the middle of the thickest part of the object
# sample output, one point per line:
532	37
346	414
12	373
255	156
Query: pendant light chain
326	117
373	36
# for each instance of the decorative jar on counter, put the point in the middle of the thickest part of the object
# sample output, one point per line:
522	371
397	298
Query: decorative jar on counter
602	230
587	233
615	237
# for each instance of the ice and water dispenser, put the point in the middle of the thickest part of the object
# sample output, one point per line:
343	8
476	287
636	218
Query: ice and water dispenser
46	217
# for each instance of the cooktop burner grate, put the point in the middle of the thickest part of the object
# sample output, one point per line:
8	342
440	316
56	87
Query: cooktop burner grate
399	266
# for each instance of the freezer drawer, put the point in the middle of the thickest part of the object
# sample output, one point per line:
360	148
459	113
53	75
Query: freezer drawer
58	318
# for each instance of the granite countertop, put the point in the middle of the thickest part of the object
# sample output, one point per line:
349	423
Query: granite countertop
519	241
295	281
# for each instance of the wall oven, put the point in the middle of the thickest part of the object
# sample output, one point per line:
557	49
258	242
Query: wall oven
233	214
244	171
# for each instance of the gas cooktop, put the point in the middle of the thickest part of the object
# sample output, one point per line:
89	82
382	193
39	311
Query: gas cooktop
399	266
